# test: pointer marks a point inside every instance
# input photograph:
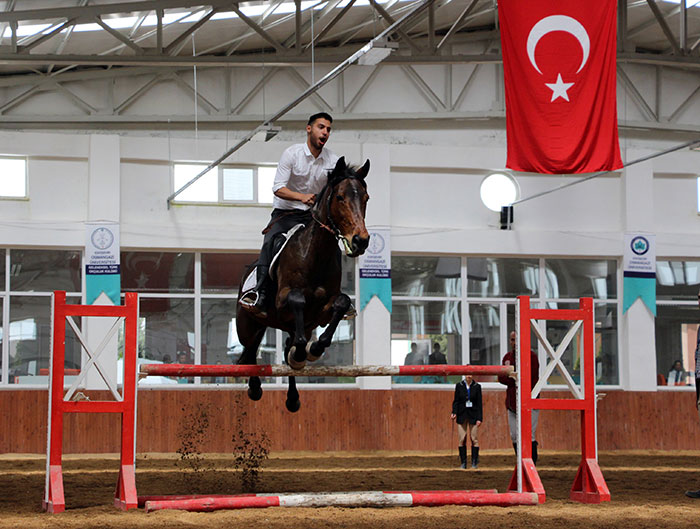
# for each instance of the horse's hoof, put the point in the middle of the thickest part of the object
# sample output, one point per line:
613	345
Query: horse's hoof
255	393
292	362
309	354
293	406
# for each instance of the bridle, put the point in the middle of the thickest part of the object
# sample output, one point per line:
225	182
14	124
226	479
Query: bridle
330	225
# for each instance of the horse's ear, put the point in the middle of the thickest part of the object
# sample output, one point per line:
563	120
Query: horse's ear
340	164
362	173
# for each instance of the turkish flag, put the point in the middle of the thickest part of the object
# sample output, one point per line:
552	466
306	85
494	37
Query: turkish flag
559	72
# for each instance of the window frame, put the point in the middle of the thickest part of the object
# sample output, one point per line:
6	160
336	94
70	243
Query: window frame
26	177
220	201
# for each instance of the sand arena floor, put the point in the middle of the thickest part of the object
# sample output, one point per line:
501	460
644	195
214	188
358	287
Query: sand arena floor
647	491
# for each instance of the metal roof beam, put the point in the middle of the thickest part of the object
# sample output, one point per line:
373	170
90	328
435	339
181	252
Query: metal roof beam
664	26
259	30
91	11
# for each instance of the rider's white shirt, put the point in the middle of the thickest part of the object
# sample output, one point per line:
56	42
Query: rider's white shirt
299	171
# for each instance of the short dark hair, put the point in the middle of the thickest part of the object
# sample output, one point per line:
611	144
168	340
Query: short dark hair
319	115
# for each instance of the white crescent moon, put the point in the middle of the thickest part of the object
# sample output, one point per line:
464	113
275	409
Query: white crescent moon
558	23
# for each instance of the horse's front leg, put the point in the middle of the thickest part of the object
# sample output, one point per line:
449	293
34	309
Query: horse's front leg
292	403
314	350
296	358
251	336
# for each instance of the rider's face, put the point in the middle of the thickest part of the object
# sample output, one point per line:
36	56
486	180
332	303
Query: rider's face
318	133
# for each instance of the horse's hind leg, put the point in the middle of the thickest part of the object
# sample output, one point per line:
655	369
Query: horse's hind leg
297	354
293	404
251	342
315	349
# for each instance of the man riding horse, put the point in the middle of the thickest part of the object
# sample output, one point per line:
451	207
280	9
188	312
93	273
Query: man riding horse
301	174
320	204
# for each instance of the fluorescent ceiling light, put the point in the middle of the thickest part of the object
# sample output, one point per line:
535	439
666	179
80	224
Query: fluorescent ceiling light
376	52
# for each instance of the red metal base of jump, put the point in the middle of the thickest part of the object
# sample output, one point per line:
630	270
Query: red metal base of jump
340	499
56	502
531	481
125	497
589	485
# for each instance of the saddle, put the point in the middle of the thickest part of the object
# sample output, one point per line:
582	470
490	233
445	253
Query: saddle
279	244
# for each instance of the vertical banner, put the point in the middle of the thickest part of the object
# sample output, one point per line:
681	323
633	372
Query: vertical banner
375	268
639	270
102	270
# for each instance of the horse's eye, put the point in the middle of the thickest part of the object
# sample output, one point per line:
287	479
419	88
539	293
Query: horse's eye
340	197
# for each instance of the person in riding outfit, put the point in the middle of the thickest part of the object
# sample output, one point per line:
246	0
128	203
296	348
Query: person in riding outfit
468	412
302	173
509	360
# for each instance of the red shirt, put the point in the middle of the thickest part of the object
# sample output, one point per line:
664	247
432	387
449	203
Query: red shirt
509	359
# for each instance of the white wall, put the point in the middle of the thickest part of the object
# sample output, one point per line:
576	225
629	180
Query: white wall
429	194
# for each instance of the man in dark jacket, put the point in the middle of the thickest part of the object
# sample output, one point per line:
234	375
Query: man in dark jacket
468	411
511	405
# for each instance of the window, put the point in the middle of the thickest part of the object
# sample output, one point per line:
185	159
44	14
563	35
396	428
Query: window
676	323
13	179
469	324
225	184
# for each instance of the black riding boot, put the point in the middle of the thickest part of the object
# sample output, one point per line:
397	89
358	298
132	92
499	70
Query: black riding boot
475	456
257	303
463	456
515	448
534	452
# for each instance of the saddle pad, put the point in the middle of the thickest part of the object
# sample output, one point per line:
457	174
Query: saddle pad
287	237
251	279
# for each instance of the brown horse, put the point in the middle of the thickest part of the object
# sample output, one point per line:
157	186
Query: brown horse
307	282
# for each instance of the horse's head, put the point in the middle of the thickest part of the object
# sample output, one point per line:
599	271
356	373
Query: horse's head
345	205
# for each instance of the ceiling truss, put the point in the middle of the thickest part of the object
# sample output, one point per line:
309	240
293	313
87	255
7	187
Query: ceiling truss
222	35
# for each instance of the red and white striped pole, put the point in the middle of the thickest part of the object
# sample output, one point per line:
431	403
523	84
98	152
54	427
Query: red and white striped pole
344	499
189	370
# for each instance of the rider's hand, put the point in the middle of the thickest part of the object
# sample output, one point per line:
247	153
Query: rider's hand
309	200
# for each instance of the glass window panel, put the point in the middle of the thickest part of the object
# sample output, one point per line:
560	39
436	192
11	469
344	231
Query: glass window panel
676	328
416	326
157	272
45	270
425	276
576	278
606	352
347	281
30	341
220	344
677	280
167	331
2	269
205	189
502	277
222	272
266	177
238	184
485	332
341	352
13	179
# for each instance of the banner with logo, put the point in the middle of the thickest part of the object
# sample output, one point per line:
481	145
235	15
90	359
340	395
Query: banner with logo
559	74
639	270
102	267
375	268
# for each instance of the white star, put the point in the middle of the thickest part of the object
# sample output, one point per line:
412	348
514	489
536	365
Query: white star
559	89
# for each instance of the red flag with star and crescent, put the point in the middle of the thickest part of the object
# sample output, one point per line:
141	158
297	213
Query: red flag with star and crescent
559	73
